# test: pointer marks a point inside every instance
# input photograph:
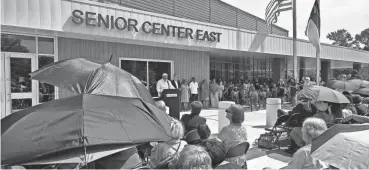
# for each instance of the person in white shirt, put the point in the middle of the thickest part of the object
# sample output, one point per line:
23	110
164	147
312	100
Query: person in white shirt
163	84
194	89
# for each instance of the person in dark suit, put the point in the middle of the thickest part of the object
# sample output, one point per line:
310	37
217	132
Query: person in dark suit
193	120
175	82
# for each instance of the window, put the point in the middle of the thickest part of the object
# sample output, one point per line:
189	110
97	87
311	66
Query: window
238	69
148	71
18	43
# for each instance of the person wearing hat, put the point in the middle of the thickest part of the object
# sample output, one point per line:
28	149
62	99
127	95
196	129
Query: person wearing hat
235	133
163	84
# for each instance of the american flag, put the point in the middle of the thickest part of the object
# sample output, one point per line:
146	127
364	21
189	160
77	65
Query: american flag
274	8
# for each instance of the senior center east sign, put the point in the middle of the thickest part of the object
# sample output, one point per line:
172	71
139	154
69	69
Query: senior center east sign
93	19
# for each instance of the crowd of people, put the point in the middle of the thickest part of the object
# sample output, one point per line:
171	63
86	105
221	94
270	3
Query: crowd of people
247	93
192	147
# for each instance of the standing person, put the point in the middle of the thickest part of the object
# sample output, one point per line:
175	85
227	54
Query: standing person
274	90
243	94
262	97
307	83
293	90
194	88
205	93
185	94
254	98
175	82
163	84
281	91
220	90
235	95
214	97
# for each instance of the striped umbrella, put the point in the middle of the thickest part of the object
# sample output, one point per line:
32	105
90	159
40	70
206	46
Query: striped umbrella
343	146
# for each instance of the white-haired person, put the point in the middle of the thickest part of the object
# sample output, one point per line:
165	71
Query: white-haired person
163	84
311	129
192	157
162	153
161	105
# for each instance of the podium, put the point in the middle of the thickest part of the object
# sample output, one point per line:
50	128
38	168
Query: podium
171	97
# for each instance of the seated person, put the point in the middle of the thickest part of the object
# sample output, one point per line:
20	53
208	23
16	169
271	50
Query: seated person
191	121
161	153
235	133
305	108
217	152
161	105
192	157
204	131
311	128
329	112
361	109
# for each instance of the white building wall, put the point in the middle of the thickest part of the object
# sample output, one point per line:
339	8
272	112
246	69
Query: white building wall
55	16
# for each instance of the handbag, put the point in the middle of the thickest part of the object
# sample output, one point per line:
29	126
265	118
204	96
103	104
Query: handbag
266	141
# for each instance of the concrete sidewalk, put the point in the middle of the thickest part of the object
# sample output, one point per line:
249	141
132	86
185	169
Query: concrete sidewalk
255	123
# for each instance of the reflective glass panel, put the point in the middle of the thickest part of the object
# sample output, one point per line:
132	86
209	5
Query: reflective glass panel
156	70
45	45
46	91
19	104
20	68
136	68
18	43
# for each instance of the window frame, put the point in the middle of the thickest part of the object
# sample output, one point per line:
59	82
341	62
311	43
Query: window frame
35	56
171	62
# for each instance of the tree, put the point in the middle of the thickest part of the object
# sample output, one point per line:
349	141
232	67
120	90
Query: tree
10	44
363	38
341	37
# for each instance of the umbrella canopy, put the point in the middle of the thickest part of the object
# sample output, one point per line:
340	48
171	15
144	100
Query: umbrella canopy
343	146
343	85
363	92
361	83
79	121
329	95
307	93
87	76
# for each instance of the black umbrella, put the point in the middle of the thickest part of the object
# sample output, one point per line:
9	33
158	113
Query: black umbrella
78	122
82	75
363	92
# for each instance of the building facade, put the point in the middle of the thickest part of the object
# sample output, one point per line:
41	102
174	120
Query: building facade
210	39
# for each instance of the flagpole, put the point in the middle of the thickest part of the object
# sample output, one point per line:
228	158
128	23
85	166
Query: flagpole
317	51
295	72
317	66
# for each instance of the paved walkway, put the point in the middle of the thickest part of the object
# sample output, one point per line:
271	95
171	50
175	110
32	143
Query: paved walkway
255	122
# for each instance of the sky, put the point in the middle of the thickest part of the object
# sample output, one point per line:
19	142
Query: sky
352	15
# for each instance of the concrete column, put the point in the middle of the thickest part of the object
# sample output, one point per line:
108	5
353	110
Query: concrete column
325	70
278	69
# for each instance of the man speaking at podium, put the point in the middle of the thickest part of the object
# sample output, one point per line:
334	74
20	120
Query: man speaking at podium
163	84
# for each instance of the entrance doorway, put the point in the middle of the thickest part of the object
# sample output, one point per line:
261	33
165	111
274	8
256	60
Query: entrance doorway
20	90
148	71
21	55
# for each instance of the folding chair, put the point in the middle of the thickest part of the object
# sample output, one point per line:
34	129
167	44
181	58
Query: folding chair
280	127
238	150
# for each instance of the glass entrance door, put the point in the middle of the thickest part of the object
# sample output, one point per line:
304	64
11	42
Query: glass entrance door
20	90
